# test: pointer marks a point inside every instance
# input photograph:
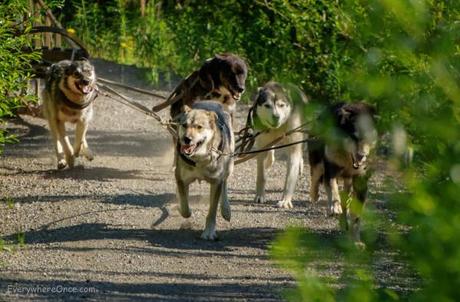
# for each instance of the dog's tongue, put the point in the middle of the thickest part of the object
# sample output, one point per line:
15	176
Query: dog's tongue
187	149
237	96
86	89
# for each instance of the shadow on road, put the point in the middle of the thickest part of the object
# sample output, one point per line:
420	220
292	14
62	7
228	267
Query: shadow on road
117	291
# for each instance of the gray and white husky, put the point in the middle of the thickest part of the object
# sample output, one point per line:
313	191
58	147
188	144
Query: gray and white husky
277	110
68	98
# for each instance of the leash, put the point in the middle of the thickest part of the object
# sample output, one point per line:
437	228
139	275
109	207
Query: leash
246	134
143	91
138	107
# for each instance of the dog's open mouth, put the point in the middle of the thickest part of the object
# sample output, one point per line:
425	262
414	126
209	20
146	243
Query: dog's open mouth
190	148
358	163
236	96
85	89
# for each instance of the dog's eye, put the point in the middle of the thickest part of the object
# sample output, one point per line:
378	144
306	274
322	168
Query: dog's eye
281	105
199	127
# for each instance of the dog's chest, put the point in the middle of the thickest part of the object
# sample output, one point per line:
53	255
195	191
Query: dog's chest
66	114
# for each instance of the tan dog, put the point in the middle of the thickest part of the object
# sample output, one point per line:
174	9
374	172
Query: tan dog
204	134
68	97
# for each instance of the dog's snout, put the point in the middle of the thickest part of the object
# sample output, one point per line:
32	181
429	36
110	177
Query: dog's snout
84	82
187	140
360	156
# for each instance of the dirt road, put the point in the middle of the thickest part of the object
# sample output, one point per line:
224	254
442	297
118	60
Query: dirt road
109	230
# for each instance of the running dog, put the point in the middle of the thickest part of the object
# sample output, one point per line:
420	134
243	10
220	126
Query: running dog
277	110
203	152
347	135
221	78
69	93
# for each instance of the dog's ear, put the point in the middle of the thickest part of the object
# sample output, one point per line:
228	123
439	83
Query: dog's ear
205	75
73	67
212	118
186	109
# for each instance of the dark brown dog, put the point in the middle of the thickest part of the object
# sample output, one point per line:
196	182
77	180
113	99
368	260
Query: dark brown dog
221	78
347	135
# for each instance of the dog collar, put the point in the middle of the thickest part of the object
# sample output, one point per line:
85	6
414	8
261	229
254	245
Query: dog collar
74	105
190	162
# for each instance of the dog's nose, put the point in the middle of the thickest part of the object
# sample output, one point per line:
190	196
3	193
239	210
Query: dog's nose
187	140
240	89
360	156
84	81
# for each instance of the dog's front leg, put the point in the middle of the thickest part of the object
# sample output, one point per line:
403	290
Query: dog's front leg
64	140
293	170
209	232
53	124
356	208
345	202
182	196
260	184
333	197
225	210
80	141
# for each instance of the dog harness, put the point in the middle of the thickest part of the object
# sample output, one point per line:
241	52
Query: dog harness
74	105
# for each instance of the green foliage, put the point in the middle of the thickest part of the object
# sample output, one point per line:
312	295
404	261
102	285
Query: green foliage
282	40
14	65
405	60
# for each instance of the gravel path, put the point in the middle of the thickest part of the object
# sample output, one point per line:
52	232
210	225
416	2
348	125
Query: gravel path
109	230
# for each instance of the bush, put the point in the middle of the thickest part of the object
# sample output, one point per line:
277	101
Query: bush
406	61
14	64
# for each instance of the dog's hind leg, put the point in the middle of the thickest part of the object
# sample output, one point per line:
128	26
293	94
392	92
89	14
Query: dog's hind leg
316	174
261	178
269	159
293	171
209	232
80	141
225	210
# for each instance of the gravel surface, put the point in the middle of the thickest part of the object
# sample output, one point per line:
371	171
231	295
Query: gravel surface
109	230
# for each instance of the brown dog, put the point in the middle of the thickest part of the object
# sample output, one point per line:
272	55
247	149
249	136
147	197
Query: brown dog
68	98
221	78
347	137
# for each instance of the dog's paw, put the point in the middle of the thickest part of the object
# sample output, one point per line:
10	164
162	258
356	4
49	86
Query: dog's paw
335	209
70	161
286	204
61	164
360	245
259	199
209	234
88	155
225	210
186	213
